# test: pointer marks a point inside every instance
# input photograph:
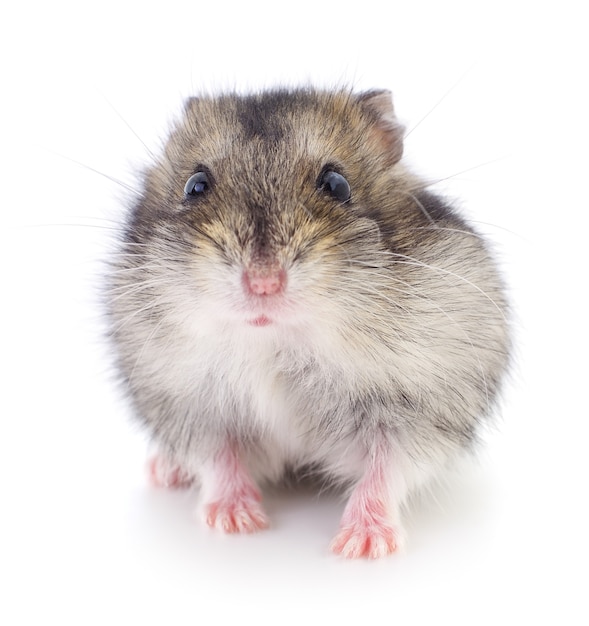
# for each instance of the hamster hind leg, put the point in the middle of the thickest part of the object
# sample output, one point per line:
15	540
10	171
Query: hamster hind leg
371	525
163	472
232	500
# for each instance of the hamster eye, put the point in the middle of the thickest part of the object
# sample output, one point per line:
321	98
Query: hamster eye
197	184
335	185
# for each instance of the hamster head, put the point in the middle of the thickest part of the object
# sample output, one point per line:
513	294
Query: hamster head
260	202
290	210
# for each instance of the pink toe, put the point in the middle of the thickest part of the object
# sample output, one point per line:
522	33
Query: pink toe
239	516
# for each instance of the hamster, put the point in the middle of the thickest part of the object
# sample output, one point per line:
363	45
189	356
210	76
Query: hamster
288	298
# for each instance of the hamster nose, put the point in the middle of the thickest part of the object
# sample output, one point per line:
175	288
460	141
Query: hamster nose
264	281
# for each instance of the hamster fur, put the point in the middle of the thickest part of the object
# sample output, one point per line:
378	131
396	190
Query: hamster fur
288	297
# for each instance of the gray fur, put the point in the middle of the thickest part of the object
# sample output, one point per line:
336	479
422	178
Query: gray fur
392	330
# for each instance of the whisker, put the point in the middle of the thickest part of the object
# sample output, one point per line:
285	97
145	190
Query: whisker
146	342
135	268
128	125
432	182
126	320
161	159
496	226
306	210
117	181
450	230
407	260
420	206
442	98
70	225
138	287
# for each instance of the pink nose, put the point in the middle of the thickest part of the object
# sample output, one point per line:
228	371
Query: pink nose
263	282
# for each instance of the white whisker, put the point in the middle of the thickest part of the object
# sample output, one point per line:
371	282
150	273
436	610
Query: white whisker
411	261
420	206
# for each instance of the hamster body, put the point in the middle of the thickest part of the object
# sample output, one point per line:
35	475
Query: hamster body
288	297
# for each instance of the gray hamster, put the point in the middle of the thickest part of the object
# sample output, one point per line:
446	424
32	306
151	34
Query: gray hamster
288	298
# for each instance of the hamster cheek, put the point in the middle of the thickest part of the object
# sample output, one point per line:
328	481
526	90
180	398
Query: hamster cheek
232	501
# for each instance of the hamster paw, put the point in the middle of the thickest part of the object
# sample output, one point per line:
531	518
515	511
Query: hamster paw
163	473
366	539
232	500
242	513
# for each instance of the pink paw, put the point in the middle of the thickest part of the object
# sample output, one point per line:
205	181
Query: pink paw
366	540
242	514
163	473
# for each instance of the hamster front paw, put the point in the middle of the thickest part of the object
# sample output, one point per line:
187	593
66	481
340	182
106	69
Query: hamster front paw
237	513
232	499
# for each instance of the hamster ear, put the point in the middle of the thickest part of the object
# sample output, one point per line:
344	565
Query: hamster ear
387	130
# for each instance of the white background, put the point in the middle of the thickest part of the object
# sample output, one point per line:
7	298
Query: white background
495	98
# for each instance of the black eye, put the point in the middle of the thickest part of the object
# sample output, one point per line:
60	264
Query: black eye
335	185
197	184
